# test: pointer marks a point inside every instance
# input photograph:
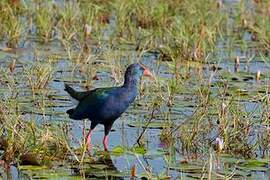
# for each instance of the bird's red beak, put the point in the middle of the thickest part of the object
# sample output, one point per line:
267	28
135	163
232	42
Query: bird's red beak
146	72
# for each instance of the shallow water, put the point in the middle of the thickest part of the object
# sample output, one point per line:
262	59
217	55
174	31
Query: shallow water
159	159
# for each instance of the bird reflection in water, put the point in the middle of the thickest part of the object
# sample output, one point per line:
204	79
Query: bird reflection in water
102	168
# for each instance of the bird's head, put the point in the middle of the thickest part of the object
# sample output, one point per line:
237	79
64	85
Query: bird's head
135	71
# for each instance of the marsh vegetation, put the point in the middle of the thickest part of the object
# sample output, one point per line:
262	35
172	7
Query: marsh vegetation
206	114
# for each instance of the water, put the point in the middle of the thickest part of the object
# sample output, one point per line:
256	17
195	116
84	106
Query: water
159	159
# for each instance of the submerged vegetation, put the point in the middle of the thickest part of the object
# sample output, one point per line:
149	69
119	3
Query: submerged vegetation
209	104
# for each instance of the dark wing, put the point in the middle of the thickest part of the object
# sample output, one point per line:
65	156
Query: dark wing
91	104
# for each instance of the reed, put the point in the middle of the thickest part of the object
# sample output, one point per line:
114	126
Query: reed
45	21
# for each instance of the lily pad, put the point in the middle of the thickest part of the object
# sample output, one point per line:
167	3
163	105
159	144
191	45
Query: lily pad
32	167
118	150
226	158
139	150
151	125
188	168
255	165
99	166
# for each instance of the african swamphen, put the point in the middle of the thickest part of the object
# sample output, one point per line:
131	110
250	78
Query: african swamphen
105	105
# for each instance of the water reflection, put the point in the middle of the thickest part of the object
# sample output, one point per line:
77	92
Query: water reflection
102	168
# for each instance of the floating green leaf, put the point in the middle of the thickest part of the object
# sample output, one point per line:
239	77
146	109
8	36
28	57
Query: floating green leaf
118	150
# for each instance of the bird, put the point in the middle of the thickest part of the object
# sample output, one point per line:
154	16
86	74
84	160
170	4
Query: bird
105	105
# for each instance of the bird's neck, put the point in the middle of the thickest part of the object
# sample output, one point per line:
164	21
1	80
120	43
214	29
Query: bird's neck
131	83
130	87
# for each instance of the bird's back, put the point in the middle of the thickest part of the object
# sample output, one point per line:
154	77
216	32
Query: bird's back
103	104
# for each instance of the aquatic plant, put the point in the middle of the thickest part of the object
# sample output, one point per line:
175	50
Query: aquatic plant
44	21
211	87
23	140
12	25
69	20
261	27
39	75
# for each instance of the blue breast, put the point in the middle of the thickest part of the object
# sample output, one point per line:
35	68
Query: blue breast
113	106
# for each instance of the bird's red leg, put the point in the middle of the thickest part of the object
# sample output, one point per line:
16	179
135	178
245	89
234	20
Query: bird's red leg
107	128
105	142
88	140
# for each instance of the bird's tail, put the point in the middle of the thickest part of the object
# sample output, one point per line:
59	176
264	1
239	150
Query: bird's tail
70	91
71	113
74	95
78	96
75	98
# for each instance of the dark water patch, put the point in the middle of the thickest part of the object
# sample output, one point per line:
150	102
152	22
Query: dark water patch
151	125
236	79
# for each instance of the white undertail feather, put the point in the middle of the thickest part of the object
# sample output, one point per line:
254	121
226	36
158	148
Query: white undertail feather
75	102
